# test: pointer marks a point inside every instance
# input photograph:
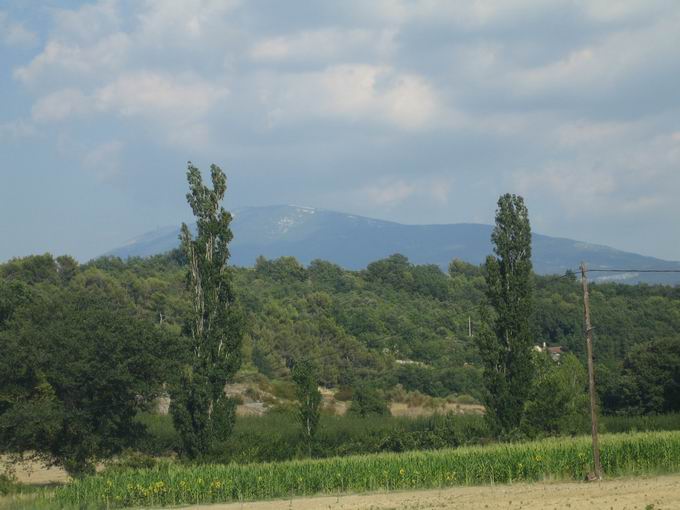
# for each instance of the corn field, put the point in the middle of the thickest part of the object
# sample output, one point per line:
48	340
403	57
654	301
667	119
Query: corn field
560	458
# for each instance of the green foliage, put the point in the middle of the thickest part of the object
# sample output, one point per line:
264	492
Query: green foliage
460	268
32	270
399	273
77	364
645	423
505	341
202	413
7	484
618	391
276	436
655	367
558	402
283	269
170	485
367	401
308	396
330	276
439	382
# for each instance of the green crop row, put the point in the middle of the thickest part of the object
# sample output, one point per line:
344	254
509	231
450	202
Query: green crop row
560	458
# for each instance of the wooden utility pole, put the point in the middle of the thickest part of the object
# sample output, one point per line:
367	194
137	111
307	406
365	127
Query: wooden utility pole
469	326
591	372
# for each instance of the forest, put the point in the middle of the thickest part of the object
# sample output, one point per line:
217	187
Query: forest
92	345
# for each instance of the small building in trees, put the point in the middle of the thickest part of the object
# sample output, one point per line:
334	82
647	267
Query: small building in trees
555	352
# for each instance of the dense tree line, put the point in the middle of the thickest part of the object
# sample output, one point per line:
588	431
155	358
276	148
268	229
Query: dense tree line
356	325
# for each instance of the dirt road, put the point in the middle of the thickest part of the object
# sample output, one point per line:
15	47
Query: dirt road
658	493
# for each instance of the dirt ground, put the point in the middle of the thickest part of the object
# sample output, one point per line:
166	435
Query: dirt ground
401	409
251	407
35	473
657	493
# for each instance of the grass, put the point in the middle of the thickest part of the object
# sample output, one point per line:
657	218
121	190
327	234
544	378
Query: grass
277	437
648	423
559	458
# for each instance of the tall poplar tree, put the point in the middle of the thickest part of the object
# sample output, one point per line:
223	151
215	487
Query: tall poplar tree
201	411
309	397
505	341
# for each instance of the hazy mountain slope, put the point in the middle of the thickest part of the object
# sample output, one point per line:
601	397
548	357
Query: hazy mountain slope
355	241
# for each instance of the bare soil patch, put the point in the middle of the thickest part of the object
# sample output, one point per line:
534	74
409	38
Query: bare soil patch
402	409
35	473
657	493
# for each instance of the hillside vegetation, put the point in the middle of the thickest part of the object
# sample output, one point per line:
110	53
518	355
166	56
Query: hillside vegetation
393	323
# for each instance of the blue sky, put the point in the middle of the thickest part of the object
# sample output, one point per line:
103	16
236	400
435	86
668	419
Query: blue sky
413	111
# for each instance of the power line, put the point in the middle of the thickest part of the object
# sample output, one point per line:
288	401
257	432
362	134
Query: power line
572	273
567	274
633	270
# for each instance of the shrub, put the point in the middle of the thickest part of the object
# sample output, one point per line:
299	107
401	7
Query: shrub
366	401
344	394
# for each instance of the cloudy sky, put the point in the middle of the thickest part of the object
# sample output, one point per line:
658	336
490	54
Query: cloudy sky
418	112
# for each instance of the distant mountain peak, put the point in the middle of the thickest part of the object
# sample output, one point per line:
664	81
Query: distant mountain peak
354	241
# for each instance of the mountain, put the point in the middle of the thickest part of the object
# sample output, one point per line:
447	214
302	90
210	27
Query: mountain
355	241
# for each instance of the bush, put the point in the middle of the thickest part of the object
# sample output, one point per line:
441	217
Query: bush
131	459
366	401
344	394
283	389
7	484
160	437
466	399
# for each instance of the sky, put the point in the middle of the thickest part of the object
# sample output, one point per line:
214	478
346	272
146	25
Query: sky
411	111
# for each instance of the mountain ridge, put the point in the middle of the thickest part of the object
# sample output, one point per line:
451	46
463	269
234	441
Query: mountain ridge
353	241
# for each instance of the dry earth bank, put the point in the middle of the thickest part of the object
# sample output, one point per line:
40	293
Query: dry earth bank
655	493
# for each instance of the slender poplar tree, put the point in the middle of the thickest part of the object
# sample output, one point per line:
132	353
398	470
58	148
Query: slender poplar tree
505	341
305	375
201	411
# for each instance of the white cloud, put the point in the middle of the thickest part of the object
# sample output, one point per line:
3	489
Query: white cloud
148	95
15	129
13	33
62	62
184	22
440	190
604	65
411	102
387	193
104	160
622	10
327	44
60	105
606	184
159	96
354	92
93	43
585	132
90	22
481	14
461	15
